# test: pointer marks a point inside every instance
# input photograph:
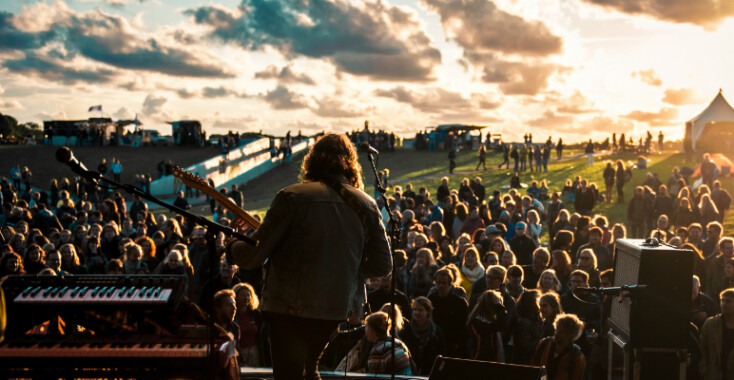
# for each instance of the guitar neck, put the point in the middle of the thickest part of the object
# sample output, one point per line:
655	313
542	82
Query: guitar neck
199	183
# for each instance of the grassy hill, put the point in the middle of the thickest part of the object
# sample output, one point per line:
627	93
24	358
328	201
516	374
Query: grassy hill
425	169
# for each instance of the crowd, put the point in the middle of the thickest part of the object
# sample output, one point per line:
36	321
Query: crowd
527	156
474	280
381	139
475	277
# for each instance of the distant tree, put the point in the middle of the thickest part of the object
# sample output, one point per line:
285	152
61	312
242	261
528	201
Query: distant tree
8	125
30	129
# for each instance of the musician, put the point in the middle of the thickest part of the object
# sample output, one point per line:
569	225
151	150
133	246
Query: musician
319	252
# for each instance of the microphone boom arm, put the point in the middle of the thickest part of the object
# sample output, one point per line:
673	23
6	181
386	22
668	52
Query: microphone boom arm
65	156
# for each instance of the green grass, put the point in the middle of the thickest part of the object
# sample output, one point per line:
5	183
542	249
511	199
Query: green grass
425	169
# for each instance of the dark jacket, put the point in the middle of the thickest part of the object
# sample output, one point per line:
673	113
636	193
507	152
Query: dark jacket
450	313
604	259
663	205
527	334
523	247
486	341
638	209
424	353
584	200
314	243
380	297
45	220
442	192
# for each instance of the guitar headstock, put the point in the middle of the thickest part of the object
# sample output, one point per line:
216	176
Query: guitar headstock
189	179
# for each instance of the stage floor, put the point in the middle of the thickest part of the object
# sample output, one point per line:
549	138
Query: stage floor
249	373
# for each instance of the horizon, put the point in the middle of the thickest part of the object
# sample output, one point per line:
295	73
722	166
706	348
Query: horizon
575	69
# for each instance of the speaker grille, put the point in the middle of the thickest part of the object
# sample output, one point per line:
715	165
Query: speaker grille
626	272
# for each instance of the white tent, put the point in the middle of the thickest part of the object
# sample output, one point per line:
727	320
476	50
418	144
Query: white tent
719	110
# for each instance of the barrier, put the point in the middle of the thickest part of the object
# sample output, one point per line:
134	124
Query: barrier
238	166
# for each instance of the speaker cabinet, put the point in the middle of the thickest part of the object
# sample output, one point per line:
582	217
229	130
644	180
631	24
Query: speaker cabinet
656	316
464	369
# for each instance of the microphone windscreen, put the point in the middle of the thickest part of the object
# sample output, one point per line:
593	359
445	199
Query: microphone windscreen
364	147
64	155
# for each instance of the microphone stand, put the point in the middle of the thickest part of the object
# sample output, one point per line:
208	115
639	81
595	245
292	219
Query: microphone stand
210	225
394	232
212	229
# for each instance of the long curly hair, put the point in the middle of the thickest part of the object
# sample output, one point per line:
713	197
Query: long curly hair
332	155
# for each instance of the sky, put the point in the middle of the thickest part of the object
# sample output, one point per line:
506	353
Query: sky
575	69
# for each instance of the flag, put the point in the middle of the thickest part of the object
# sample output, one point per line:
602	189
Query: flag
95	108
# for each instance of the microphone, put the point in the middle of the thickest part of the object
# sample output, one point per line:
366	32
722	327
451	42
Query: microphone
367	148
614	290
65	156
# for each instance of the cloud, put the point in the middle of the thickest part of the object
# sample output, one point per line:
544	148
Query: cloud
480	26
433	100
371	39
655	119
10	104
284	75
528	77
332	107
153	105
486	102
240	123
12	38
185	93
45	116
607	125
124	113
649	77
681	96
36	65
102	38
306	127
574	104
281	98
549	119
707	13
221	91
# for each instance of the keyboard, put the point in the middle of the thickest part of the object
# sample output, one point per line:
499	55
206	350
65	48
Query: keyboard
147	291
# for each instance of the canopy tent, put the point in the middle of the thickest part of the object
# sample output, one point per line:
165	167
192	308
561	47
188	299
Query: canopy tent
722	163
459	127
714	116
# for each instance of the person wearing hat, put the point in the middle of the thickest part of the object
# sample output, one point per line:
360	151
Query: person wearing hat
522	245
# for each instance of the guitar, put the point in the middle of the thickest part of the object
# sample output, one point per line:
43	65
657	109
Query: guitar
242	221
